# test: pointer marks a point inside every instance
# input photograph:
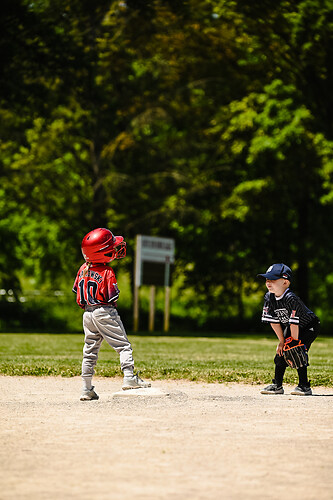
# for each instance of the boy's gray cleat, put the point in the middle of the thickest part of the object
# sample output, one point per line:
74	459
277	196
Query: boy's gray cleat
134	382
88	395
273	389
302	390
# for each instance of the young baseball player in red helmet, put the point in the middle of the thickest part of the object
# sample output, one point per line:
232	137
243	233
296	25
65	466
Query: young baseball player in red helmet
292	322
97	293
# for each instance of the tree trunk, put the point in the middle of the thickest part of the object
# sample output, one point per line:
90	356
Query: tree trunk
303	236
99	218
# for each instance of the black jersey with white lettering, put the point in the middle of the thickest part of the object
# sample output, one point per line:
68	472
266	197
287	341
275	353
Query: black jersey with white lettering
287	310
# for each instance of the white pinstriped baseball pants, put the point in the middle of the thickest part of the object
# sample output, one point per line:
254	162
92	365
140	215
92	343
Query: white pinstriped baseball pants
104	323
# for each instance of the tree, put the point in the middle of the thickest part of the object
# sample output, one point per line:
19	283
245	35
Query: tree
184	119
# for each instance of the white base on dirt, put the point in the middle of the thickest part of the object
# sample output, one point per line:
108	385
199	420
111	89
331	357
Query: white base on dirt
149	391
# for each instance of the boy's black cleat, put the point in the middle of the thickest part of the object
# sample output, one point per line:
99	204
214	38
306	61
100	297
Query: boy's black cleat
273	389
302	390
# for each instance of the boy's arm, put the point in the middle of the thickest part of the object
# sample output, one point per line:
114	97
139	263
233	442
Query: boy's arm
279	333
294	319
294	330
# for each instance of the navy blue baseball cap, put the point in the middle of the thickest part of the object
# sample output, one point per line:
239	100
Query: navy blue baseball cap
277	271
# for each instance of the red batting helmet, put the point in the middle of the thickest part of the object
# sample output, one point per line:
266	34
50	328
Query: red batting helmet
101	246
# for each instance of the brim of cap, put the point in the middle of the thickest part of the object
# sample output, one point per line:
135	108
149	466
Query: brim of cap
269	276
272	276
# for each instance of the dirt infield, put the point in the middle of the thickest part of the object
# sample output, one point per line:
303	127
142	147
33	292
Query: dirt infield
202	441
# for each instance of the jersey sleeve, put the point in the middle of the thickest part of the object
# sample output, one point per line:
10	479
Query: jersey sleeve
296	311
268	315
74	289
110	289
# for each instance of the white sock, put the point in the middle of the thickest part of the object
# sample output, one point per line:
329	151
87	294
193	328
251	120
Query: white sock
128	372
87	383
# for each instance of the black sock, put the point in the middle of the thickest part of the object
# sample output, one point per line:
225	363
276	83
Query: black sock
279	374
303	376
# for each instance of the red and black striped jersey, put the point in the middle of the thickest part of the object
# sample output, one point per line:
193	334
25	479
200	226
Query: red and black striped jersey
287	310
96	286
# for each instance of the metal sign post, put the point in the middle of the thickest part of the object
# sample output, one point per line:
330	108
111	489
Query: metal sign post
153	258
167	294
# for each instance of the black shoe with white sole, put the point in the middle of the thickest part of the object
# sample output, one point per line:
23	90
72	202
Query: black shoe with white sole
273	389
302	390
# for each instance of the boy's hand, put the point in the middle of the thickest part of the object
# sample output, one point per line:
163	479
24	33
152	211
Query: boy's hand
279	349
295	354
291	342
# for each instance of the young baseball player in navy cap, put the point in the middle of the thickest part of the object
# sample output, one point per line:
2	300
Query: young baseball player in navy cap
294	324
97	293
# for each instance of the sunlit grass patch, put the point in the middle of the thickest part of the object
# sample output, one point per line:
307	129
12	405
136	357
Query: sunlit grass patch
232	358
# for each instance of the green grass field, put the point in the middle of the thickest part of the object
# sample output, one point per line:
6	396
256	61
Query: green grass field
231	358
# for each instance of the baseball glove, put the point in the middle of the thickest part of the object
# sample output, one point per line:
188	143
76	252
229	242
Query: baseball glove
294	353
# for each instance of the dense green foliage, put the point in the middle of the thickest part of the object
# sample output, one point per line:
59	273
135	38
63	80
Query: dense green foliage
231	358
209	122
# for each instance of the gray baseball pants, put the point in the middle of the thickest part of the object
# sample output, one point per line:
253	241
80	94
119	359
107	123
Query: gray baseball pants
104	323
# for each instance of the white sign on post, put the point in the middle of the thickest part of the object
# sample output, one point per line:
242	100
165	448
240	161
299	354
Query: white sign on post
157	251
153	249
